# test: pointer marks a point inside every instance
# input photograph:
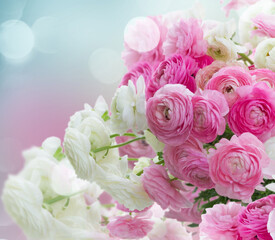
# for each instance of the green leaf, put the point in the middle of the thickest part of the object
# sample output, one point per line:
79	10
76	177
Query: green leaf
193	225
59	155
105	116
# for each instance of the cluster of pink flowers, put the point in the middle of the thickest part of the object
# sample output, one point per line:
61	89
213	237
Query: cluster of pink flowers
213	118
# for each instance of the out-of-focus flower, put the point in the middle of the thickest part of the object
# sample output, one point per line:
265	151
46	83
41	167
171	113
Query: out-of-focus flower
170	114
253	219
264	75
154	56
140	69
140	164
236	166
221	222
246	25
264	25
48	201
128	227
168	230
220	45
271	224
185	37
265	54
236	4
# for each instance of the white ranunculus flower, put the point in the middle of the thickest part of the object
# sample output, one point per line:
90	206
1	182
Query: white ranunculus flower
270	169
48	201
220	45
141	163
246	25
265	54
128	108
86	132
23	201
152	140
271	223
49	149
127	191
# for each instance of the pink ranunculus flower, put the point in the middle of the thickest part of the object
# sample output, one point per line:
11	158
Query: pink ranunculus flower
206	73
221	222
227	80
192	214
128	227
236	166
158	186
174	70
271	223
209	108
204	61
254	111
185	37
170	114
188	162
264	25
140	69
264	75
253	219
135	149
125	209
153	57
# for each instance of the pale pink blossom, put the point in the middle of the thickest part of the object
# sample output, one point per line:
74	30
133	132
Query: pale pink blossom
263	75
236	4
188	162
206	73
221	222
158	186
174	70
153	57
253	219
264	25
254	111
227	80
128	227
209	108
140	69
170	114
169	229
191	214
125	209
185	37
236	166
135	149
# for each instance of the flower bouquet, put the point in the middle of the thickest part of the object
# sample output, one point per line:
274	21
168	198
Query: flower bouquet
185	151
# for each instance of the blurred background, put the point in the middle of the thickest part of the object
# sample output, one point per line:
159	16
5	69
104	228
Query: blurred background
56	55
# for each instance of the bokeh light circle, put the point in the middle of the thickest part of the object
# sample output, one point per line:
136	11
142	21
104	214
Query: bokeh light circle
106	66
142	34
16	39
46	32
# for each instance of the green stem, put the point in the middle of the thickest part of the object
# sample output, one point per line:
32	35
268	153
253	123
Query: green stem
125	134
118	145
246	58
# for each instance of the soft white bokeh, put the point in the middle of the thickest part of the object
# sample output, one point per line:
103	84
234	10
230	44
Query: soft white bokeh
16	39
106	66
